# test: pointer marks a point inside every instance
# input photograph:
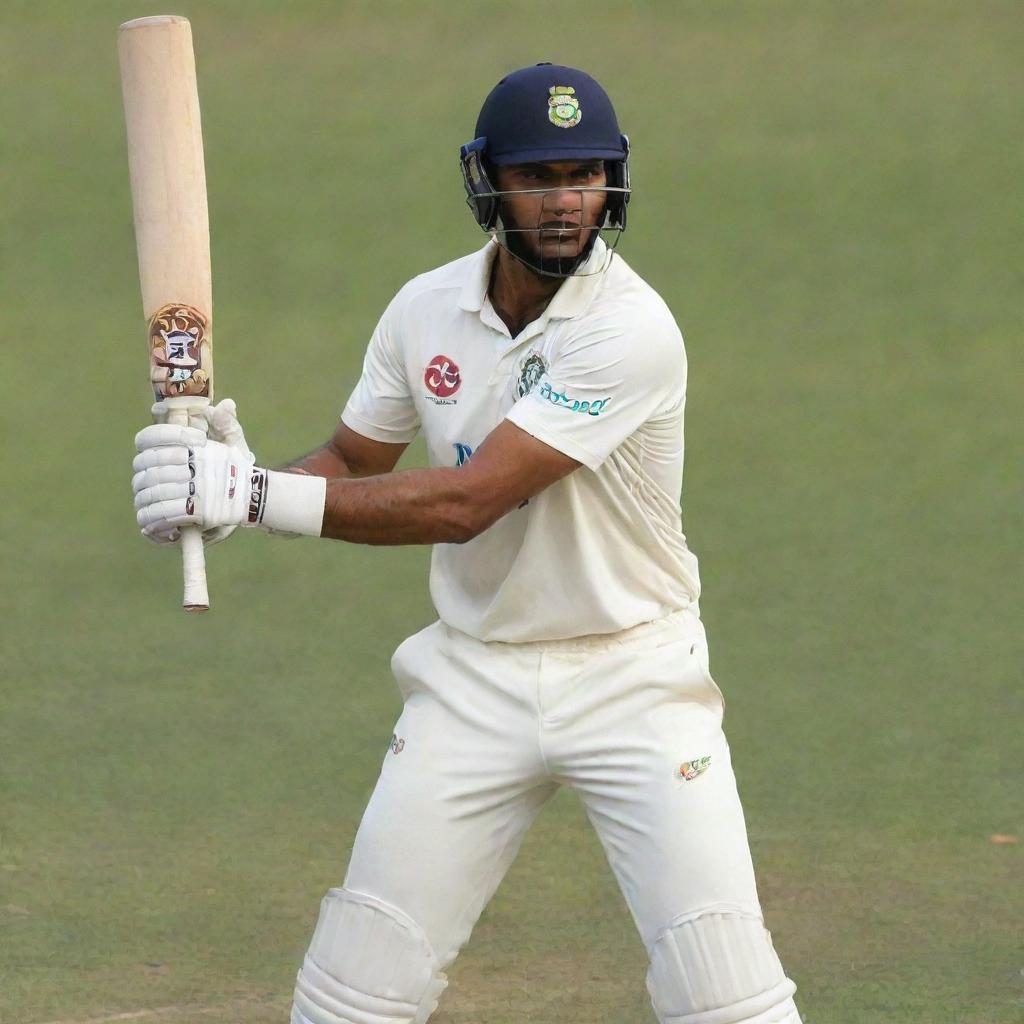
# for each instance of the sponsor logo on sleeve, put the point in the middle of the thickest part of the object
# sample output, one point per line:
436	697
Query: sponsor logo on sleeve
564	401
442	379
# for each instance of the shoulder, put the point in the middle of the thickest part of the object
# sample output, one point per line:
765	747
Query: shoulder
443	284
627	303
628	319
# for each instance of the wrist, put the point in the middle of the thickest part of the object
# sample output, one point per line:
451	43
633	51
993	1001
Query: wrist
286	502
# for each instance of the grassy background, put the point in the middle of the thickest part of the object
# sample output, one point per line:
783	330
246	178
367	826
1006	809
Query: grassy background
828	195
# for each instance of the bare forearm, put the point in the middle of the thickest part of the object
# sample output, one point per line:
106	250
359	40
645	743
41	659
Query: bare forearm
324	461
415	506
442	505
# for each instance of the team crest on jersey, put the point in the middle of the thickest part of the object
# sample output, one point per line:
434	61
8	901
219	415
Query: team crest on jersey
563	107
689	770
531	369
442	379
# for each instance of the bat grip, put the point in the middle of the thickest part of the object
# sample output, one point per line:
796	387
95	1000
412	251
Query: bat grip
193	557
193	567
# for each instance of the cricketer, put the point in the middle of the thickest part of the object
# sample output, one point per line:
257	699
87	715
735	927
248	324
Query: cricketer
548	380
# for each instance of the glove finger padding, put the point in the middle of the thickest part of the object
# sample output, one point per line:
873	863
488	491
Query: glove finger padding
161	475
151	457
211	491
164	434
179	481
163	492
164	515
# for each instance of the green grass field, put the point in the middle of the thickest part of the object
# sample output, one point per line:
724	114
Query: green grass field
829	197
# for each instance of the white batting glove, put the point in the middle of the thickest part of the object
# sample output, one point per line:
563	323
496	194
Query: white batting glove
184	479
219	423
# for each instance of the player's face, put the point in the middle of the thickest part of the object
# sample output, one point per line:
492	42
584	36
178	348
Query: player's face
565	215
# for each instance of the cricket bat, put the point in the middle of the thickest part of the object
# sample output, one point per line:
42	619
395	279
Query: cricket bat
172	231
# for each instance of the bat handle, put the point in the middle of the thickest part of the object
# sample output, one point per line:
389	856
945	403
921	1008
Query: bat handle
193	557
193	567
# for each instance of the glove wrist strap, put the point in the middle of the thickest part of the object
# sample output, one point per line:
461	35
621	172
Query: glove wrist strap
286	502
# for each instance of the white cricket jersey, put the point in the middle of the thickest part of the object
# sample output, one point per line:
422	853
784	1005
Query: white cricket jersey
601	376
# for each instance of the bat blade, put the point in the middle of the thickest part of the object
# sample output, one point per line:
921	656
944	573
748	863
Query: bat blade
172	231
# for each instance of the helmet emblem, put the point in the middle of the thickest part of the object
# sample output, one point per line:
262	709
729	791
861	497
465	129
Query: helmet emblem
563	107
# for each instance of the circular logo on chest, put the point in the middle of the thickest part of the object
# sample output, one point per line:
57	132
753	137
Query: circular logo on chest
442	377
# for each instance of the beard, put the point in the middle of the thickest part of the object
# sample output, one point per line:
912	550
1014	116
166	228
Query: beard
514	238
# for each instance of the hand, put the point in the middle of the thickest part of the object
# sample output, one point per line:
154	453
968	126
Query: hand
220	423
184	479
221	420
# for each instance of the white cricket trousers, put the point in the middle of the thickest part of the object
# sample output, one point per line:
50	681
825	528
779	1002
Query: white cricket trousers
632	723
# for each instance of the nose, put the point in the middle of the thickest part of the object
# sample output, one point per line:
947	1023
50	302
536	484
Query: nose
565	200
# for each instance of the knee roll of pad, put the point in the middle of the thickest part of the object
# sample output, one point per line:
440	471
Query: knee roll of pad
368	963
719	967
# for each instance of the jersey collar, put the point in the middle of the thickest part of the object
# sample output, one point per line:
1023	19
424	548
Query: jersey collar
569	301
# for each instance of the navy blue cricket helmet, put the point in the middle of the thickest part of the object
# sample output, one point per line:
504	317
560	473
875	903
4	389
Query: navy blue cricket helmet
540	114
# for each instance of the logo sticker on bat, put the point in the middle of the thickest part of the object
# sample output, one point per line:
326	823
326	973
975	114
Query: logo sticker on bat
179	352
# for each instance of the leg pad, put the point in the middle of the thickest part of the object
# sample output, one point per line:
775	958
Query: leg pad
719	967
368	963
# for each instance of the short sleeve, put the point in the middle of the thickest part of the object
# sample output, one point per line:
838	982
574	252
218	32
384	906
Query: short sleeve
382	407
605	384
